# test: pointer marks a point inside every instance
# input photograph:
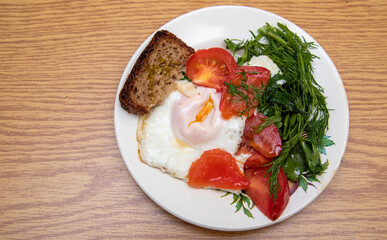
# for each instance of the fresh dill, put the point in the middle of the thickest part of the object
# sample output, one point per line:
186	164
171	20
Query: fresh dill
292	100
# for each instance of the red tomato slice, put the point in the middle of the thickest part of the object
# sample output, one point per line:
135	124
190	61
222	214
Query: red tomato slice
211	67
217	169
259	76
229	107
245	149
232	106
259	190
268	141
256	159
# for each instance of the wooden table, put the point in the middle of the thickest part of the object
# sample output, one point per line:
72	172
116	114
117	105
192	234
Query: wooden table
61	173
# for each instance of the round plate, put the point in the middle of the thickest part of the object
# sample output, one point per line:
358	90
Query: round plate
205	28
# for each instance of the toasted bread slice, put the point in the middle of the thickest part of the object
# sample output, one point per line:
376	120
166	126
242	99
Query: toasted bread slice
154	73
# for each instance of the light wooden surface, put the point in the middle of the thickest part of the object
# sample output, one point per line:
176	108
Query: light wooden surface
61	173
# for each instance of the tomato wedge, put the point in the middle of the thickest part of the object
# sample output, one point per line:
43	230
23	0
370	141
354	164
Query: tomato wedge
259	189
252	75
268	141
217	169
259	76
256	159
210	67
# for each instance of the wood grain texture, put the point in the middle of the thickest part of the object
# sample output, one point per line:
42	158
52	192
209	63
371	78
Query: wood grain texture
61	173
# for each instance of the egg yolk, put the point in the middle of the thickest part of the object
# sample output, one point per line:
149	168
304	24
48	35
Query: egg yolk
197	120
202	115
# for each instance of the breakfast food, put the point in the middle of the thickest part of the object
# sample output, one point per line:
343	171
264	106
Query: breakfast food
241	126
154	73
170	139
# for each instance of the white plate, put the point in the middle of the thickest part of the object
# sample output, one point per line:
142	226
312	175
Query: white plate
206	28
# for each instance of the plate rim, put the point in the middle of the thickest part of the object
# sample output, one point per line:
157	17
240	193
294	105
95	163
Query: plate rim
134	57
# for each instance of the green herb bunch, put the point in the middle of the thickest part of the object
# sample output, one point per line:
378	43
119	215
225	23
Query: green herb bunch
292	100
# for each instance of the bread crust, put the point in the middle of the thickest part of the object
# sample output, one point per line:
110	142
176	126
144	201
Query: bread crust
126	100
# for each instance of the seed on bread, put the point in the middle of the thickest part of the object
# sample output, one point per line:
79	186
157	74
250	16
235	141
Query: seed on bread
154	74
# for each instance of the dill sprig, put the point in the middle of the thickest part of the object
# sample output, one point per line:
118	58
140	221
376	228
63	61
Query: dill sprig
292	100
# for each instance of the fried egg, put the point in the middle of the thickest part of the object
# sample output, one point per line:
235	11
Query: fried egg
188	122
